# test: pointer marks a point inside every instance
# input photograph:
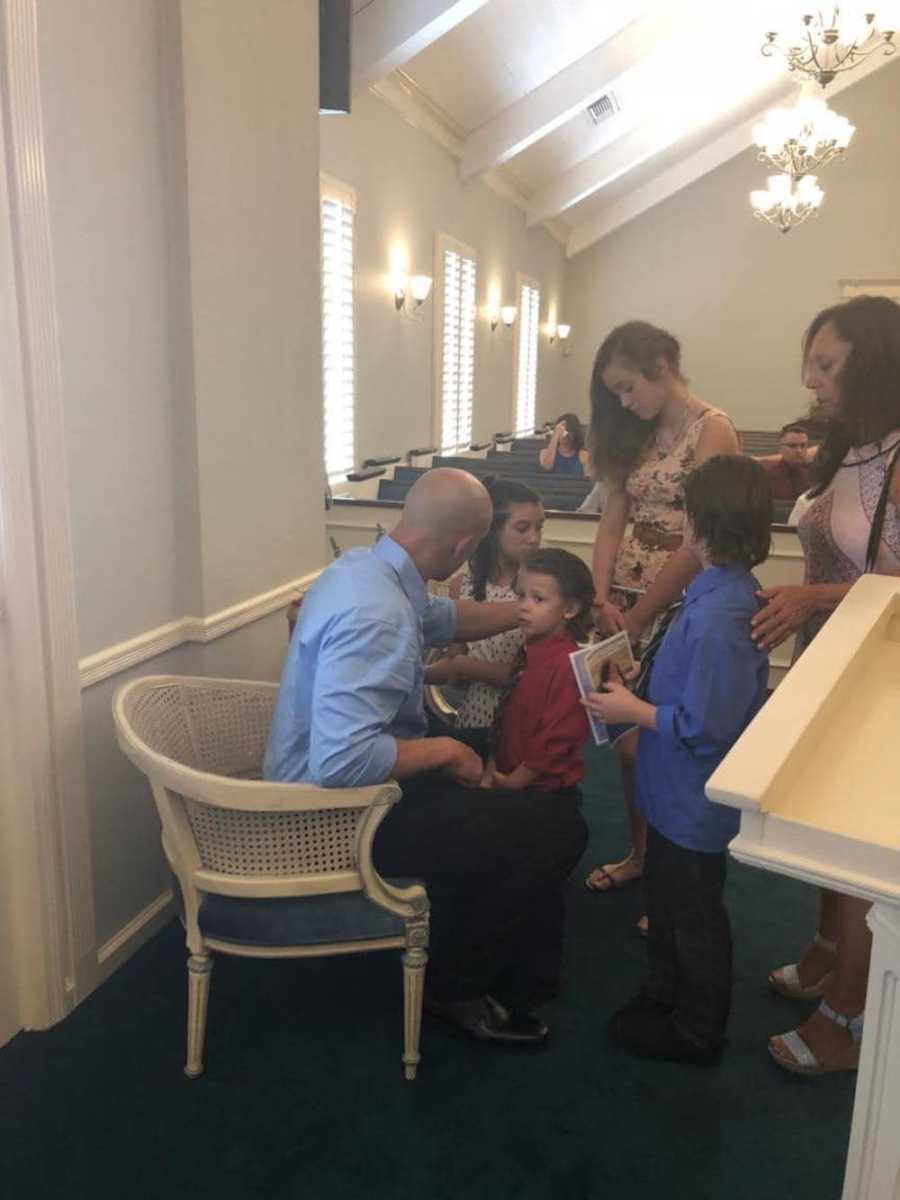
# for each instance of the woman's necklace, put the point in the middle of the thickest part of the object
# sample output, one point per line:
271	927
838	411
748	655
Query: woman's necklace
667	446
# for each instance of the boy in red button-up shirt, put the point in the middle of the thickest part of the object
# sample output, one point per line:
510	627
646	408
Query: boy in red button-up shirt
541	724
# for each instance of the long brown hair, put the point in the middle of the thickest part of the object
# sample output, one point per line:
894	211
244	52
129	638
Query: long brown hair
618	438
504	493
869	380
575	582
573	424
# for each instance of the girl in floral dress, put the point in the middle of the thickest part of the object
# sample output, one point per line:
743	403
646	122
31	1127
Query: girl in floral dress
648	432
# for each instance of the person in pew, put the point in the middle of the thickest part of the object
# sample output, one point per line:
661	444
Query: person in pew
709	680
648	432
565	454
350	713
594	500
790	470
851	360
483	667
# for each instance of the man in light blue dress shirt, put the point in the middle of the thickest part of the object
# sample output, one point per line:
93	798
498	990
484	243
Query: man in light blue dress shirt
350	712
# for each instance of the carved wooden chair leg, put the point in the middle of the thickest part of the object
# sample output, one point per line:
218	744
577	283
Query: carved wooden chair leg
199	973
415	959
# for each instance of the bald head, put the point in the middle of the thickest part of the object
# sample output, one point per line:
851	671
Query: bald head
445	502
446	515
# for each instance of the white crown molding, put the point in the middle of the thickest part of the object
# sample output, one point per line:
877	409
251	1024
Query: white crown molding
122	657
401	93
53	847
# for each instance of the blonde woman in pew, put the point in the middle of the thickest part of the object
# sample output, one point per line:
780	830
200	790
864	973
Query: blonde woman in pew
851	360
483	668
648	432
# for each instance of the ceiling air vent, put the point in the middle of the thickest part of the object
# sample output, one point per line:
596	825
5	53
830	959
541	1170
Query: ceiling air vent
603	108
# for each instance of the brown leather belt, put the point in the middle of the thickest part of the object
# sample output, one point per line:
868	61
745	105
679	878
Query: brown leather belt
655	539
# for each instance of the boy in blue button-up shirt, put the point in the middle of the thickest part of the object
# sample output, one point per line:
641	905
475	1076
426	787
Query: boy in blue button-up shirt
707	683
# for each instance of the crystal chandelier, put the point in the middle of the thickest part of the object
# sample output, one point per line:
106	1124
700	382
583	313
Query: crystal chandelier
802	138
834	39
787	203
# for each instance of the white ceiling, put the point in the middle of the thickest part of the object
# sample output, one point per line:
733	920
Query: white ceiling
507	49
505	85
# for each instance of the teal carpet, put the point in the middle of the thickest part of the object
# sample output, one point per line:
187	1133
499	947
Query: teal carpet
304	1094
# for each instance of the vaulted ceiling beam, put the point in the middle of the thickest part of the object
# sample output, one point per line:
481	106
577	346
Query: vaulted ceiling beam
388	33
695	166
593	174
575	87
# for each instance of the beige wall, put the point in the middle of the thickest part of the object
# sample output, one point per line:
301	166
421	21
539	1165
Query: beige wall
183	186
735	291
408	189
251	121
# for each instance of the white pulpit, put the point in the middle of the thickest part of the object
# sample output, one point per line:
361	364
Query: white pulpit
817	779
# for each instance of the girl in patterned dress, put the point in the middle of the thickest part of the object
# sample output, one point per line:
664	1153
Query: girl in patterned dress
484	667
648	432
851	359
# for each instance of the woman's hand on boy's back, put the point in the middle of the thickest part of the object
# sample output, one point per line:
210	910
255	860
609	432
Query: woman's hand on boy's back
786	609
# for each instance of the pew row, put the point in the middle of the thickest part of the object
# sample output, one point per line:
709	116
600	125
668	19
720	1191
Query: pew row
356	522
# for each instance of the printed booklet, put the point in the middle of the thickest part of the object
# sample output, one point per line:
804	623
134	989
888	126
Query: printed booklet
591	666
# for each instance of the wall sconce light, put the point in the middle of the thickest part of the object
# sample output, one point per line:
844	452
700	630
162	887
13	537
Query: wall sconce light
508	314
417	286
563	331
420	288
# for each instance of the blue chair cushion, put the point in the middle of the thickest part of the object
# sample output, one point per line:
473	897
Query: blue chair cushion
298	920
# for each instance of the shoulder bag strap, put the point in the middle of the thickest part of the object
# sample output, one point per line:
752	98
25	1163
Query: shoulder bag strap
878	515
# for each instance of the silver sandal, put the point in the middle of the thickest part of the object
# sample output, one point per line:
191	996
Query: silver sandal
800	1060
786	980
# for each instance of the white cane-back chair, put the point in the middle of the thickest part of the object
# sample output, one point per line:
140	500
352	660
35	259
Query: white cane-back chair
267	870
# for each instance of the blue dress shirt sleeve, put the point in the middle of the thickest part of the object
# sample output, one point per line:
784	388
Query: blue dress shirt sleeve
439	621
720	693
364	673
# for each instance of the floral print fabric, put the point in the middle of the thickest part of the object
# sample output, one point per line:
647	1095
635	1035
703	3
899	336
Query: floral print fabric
481	699
656	491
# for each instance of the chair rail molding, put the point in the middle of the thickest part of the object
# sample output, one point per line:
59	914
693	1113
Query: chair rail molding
114	659
55	931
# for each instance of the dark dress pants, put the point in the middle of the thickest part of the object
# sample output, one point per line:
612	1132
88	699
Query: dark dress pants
689	940
494	863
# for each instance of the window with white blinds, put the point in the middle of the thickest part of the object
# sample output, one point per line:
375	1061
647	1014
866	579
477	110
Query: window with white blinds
338	337
527	359
457	347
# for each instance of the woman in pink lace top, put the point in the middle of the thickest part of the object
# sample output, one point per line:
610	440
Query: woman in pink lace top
851	358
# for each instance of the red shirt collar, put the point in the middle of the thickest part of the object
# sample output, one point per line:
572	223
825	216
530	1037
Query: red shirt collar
547	648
